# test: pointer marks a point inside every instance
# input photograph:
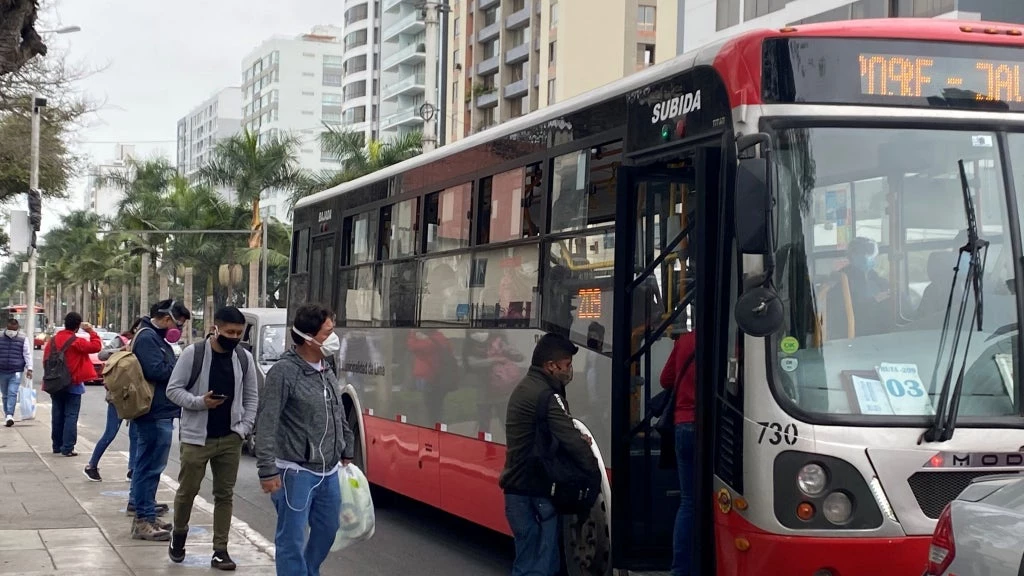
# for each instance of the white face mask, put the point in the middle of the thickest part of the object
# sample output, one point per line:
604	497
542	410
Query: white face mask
328	347
11	333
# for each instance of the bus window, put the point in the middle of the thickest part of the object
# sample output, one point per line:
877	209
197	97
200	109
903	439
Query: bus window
300	251
357	299
444	293
398	291
398	225
503	284
446	218
578	287
533	200
583	190
501	208
362	238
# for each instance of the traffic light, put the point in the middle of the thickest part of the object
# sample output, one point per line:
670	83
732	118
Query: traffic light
35	209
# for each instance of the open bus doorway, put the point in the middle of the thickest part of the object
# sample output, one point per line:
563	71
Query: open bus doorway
668	216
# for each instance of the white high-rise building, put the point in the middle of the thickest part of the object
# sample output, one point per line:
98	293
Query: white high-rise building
403	67
294	86
361	67
216	118
101	197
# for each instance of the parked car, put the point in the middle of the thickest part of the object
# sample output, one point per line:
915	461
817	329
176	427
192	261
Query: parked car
981	532
266	337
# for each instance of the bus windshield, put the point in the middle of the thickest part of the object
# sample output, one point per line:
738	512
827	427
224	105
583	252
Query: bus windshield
870	225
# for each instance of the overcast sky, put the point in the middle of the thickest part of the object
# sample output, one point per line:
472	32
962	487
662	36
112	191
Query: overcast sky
161	58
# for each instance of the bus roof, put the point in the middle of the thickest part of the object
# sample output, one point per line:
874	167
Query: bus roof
743	53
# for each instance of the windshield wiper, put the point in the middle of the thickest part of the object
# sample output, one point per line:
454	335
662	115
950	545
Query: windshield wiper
944	424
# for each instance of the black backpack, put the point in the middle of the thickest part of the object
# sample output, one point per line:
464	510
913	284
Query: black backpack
197	363
56	374
572	490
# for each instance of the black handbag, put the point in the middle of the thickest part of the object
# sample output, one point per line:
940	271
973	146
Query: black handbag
572	490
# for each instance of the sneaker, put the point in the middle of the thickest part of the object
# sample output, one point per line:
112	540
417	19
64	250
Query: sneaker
221	560
176	550
70	454
163	525
143	530
10	421
93	474
161	509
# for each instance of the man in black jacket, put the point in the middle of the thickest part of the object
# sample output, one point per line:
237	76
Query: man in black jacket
528	507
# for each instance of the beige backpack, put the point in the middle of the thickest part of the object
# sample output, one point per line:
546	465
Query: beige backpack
126	385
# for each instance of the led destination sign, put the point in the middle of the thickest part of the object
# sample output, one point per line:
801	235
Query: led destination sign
922	76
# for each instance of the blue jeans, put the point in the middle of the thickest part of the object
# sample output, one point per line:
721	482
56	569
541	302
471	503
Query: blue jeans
109	433
534	524
301	502
682	554
133	452
64	421
153	445
9	383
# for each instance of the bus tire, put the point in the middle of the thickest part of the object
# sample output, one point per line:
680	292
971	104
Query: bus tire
587	541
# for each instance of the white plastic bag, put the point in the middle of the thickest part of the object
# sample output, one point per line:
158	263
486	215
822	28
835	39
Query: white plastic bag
357	518
27	400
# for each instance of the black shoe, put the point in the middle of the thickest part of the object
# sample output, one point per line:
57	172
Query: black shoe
221	560
129	475
93	474
177	548
70	454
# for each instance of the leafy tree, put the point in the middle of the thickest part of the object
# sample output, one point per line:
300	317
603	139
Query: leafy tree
57	164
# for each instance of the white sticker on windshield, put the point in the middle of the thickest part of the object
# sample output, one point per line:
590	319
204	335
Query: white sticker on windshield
907	394
789	364
871	396
981	140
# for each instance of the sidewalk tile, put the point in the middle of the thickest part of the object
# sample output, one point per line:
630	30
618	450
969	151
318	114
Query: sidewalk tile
20	540
78	558
73	538
21	561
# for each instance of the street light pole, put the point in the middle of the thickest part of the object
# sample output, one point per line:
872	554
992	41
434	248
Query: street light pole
263	257
33	184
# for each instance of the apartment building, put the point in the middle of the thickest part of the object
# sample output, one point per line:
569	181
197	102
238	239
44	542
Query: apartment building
216	118
511	57
100	197
403	66
361	66
295	86
705	21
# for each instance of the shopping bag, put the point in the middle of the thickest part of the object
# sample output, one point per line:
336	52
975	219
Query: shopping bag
357	519
27	400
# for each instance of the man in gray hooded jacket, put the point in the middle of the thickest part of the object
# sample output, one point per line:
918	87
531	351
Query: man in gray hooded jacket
302	439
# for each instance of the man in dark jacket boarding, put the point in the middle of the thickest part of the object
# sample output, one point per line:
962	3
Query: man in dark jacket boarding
531	513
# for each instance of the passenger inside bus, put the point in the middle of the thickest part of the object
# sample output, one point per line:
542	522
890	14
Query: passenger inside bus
860	290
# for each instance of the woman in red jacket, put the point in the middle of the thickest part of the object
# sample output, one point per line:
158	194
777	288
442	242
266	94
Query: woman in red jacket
680	372
68	402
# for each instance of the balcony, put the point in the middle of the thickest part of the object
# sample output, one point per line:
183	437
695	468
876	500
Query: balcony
409	117
517	54
488	66
517	89
412	83
485	4
411	53
389	4
408	24
489	32
487	99
518	19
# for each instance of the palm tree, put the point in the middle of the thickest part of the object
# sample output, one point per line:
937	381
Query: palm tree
358	158
251	168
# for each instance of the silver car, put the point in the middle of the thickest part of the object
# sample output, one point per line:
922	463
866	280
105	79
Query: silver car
981	532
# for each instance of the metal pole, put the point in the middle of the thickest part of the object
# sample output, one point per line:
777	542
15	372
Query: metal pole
430	10
33	183
263	257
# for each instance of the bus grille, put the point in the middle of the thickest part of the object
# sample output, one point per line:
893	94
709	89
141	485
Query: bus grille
934	490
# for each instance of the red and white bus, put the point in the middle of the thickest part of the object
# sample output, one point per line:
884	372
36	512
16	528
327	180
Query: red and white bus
20	313
799	198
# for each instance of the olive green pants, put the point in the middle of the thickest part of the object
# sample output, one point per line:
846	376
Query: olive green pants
223	455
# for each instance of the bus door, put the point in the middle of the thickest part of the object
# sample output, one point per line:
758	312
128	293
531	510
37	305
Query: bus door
322	264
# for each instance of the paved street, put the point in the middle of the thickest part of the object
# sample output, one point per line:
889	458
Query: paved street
410	538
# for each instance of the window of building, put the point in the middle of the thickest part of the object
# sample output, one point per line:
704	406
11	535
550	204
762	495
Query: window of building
490	49
503	285
501	207
354	90
398	226
446	216
756	8
355	64
583	190
362	231
330	116
490	16
456	57
551	53
357	14
355	39
925	8
554	13
355	115
457	27
515	108
644	55
326	154
518	5
329	99
332	79
516	72
728	14
332	60
551	91
444	292
645	18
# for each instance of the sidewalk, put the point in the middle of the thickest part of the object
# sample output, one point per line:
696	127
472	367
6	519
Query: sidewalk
53	521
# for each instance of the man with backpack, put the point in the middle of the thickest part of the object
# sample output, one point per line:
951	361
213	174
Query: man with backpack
66	369
153	429
15	358
214	382
549	467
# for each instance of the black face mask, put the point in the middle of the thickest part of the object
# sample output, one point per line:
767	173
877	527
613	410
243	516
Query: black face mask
226	343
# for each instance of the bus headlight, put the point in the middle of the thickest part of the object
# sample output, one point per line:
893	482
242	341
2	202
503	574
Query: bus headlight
837	508
812	479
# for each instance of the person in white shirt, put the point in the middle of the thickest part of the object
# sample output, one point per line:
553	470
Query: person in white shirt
15	358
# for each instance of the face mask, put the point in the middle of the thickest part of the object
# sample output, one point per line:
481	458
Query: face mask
172	335
563	377
226	343
11	333
479	336
328	347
